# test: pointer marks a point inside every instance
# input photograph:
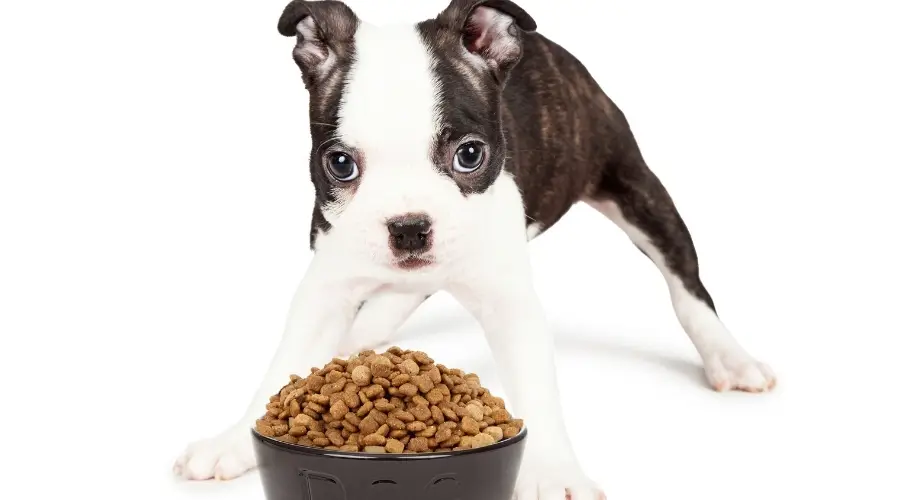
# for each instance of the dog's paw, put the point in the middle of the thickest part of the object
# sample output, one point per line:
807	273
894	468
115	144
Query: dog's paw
223	457
546	480
727	371
557	489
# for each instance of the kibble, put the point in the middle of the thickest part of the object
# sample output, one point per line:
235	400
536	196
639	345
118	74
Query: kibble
475	412
394	446
395	402
374	440
470	426
482	440
494	432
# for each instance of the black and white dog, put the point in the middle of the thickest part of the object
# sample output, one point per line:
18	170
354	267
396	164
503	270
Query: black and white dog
438	151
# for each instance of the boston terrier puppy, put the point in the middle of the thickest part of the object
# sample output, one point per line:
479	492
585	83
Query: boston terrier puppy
439	149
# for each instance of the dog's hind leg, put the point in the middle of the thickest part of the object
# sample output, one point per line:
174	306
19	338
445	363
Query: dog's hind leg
379	318
633	198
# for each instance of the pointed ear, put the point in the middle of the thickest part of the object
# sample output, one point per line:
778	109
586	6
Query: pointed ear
324	31
491	30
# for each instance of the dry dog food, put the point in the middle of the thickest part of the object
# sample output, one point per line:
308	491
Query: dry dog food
394	402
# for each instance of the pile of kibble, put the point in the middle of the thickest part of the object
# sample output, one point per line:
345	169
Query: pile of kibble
395	402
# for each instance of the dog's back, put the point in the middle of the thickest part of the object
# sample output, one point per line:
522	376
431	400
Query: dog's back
563	131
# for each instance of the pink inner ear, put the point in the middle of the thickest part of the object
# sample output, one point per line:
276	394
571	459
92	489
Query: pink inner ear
478	29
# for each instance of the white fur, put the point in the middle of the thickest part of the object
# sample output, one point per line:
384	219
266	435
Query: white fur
316	322
381	316
727	364
389	112
497	289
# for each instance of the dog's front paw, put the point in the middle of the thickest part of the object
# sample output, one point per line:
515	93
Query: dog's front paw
545	479
729	370
223	457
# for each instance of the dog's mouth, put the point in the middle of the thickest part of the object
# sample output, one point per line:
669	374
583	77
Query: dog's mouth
413	262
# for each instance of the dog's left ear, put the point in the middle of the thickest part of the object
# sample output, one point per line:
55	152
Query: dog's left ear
491	30
324	29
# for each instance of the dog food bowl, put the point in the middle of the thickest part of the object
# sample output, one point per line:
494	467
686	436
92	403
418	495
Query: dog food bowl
294	472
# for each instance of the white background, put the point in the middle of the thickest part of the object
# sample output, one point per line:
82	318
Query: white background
155	204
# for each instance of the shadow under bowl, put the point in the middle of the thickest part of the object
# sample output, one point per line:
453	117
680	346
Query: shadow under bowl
294	472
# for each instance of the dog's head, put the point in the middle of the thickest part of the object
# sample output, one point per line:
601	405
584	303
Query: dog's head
405	121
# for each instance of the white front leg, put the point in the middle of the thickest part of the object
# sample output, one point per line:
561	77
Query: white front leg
320	313
506	305
522	346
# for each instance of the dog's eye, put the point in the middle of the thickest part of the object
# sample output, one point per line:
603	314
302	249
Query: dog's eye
342	166
468	157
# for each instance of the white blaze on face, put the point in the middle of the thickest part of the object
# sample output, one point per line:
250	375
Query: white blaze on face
389	116
388	104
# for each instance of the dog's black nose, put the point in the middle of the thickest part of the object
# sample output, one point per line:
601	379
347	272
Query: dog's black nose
410	232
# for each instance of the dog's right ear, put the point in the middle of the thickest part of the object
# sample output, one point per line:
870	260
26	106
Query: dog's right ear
324	31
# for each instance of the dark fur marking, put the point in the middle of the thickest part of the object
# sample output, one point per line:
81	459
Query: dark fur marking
318	223
335	26
469	107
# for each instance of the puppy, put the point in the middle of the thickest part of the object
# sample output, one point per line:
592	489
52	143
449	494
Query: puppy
438	151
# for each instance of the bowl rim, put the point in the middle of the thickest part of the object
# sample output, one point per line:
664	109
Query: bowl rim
387	457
